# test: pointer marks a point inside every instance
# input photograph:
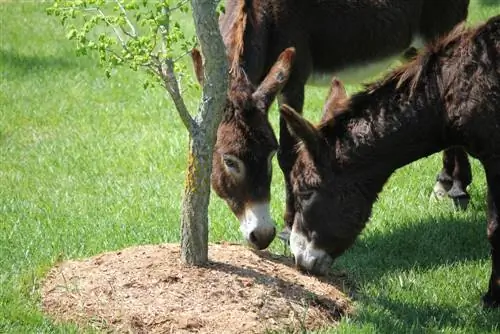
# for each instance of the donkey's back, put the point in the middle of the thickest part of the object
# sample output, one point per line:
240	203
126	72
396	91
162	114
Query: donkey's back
342	33
331	35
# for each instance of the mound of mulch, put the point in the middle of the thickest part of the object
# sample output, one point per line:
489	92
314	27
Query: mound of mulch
146	289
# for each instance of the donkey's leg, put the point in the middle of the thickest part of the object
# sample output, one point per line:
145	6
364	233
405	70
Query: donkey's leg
444	179
437	19
454	178
462	177
492	297
292	95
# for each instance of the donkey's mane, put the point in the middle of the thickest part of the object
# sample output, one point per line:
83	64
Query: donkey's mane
410	73
234	37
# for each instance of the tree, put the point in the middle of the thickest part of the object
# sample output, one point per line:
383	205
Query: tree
143	35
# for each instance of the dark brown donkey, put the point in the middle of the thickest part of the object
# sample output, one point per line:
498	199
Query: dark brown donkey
448	96
329	36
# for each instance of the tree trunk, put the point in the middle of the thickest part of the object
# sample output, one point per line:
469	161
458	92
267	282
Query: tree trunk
194	220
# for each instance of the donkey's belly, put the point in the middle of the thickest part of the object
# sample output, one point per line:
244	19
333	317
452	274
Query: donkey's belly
355	74
362	71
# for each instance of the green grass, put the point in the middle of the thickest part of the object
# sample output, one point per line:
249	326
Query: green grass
89	164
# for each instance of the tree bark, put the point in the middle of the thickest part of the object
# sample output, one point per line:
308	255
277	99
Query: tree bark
194	220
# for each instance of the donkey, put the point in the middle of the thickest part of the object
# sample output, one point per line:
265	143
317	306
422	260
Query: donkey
449	96
327	36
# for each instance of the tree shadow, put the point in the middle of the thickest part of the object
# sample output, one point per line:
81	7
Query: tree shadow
15	64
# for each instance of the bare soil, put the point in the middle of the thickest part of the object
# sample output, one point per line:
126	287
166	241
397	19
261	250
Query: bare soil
146	289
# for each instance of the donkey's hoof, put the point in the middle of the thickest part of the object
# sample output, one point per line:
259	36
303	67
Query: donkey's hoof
460	198
439	192
461	202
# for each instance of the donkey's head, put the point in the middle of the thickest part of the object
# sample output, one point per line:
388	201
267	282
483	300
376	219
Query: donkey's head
245	146
324	207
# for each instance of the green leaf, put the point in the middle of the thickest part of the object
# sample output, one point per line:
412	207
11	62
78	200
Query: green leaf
104	27
71	34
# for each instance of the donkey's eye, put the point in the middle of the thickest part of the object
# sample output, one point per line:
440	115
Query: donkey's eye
233	164
305	195
230	163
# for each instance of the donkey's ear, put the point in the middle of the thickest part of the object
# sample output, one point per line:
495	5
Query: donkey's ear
197	64
275	80
335	100
301	129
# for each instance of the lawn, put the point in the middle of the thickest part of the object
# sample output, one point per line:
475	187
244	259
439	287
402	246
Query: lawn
90	164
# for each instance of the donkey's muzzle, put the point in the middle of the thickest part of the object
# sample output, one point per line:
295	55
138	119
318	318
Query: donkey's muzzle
261	239
257	225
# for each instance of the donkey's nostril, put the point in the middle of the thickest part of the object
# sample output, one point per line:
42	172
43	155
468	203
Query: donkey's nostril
260	239
253	238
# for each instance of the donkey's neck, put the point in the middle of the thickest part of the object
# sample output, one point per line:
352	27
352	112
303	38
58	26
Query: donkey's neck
386	129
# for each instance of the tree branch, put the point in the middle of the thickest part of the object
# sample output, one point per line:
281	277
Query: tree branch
179	5
171	84
164	32
117	32
86	9
170	81
181	56
133	33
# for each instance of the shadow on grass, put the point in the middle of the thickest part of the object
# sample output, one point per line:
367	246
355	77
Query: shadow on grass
15	64
491	3
423	246
397	317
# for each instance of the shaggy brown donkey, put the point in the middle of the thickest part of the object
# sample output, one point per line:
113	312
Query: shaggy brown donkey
449	96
